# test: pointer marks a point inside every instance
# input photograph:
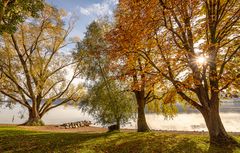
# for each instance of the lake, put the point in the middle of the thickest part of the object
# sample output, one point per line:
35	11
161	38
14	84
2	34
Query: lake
189	120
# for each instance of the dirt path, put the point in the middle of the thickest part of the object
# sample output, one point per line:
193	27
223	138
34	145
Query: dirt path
54	128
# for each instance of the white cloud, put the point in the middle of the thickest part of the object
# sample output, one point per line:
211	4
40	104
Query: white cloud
68	16
99	9
84	11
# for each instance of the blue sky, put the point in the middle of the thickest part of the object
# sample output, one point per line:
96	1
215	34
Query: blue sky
86	10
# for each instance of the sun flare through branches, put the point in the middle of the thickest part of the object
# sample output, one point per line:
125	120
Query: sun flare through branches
201	60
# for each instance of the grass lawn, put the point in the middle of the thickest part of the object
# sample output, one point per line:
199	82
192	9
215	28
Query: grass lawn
14	139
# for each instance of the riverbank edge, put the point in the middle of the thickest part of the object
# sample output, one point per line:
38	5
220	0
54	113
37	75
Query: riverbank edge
94	129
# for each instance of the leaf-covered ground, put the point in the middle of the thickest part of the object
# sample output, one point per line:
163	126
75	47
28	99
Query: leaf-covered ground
15	139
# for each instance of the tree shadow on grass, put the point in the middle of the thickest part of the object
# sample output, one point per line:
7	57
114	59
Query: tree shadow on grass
46	142
111	142
226	149
156	144
161	143
187	146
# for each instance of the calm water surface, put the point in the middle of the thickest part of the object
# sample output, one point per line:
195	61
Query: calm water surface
189	120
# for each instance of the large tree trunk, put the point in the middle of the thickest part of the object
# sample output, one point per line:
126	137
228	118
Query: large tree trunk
217	132
141	121
118	124
34	119
114	127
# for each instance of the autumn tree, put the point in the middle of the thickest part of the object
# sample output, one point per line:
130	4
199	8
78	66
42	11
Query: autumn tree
35	69
126	39
220	48
196	48
13	12
131	71
125	42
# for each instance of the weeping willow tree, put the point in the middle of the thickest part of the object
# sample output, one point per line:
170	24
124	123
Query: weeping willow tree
107	101
109	104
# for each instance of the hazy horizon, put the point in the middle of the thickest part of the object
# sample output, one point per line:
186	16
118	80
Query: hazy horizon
191	120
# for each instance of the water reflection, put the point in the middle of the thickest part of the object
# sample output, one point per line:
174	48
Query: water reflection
192	122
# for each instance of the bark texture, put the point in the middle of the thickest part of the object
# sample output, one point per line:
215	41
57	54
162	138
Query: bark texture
34	119
217	132
141	121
